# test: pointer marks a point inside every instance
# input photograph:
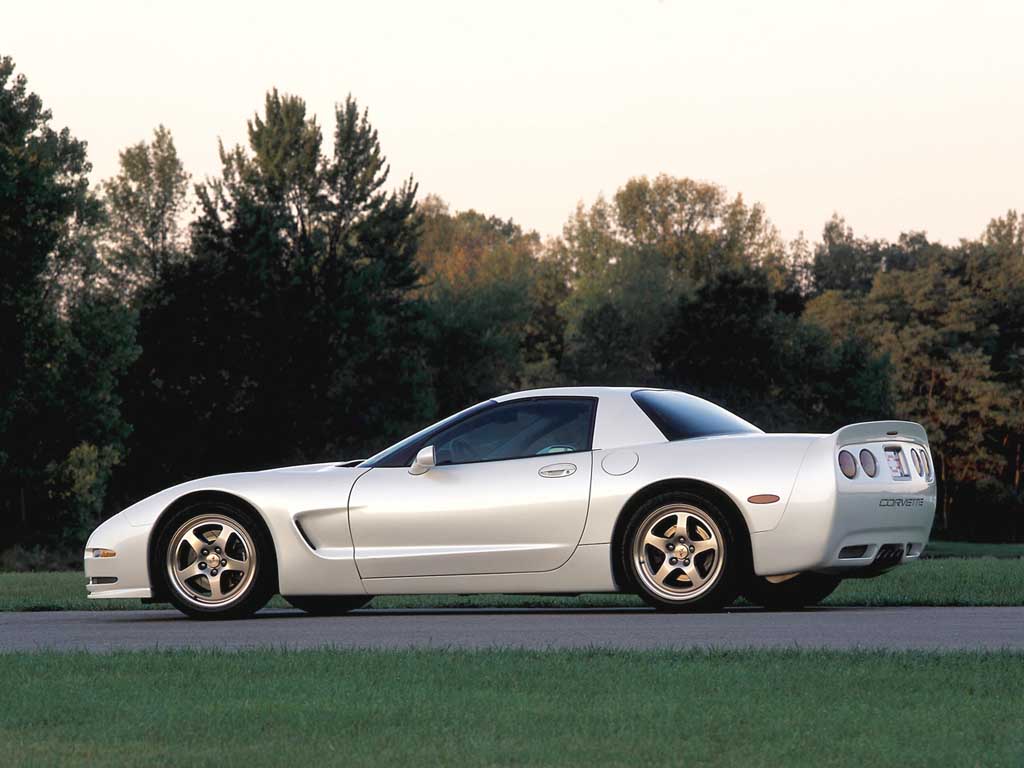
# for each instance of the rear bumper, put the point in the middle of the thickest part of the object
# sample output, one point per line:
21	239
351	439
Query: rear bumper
854	527
865	536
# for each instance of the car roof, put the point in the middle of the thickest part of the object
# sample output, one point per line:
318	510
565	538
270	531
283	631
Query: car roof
570	392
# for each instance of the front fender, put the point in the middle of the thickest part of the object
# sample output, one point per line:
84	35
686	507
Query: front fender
280	497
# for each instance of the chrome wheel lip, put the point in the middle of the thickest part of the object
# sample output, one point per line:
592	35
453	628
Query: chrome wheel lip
643	569
181	539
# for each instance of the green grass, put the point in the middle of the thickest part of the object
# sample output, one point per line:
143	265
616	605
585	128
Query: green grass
711	708
983	581
950	581
939	549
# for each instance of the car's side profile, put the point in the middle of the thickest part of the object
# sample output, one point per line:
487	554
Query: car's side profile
570	490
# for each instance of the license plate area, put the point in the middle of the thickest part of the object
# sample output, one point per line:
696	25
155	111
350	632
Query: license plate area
899	467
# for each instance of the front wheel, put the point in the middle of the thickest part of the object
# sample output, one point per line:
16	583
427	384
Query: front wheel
216	561
682	554
798	592
329	605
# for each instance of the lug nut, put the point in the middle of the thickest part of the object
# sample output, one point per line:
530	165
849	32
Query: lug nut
691	547
685	562
217	550
672	561
206	551
223	562
202	566
670	547
213	572
682	539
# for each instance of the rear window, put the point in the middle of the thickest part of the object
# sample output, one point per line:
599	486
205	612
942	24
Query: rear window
681	417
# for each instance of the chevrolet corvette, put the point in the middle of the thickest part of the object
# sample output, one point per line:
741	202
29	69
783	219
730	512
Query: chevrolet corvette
558	491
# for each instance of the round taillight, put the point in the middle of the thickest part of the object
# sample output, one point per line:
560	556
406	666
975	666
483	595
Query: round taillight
927	464
848	464
918	463
867	460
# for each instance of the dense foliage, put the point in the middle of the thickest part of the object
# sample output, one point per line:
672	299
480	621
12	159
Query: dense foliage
299	306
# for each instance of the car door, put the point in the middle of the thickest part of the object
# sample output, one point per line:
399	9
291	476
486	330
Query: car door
509	494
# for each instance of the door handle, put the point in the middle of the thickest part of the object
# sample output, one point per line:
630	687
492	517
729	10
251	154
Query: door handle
557	470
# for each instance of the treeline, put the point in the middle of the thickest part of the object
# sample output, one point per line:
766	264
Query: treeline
302	306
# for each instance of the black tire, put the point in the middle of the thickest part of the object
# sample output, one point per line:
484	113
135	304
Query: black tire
260	587
329	605
725	583
792	594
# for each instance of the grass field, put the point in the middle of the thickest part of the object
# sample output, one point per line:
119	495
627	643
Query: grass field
948	581
505	707
750	708
939	549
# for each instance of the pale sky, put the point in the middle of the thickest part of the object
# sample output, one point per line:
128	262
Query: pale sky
897	115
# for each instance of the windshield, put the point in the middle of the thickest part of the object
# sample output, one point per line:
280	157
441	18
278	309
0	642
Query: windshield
394	456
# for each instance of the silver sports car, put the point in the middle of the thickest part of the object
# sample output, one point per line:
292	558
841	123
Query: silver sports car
583	489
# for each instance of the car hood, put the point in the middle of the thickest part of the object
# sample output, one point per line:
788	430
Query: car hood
301	469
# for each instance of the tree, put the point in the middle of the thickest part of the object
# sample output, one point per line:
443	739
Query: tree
943	320
619	291
697	225
293	332
848	264
730	342
64	337
996	265
844	263
631	261
145	205
491	301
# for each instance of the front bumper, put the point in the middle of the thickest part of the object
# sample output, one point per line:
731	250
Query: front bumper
126	575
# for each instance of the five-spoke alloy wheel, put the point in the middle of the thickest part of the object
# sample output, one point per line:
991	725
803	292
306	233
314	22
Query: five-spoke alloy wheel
680	553
213	561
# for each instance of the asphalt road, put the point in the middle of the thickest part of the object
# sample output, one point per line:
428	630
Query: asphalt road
890	628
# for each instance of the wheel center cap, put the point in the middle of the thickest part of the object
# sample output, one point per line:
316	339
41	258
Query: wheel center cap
213	560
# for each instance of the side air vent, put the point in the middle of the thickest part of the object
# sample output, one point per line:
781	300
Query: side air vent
304	535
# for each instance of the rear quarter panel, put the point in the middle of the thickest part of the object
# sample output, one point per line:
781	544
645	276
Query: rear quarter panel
739	465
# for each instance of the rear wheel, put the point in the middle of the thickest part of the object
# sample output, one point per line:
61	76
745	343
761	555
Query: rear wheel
681	553
329	605
800	591
216	561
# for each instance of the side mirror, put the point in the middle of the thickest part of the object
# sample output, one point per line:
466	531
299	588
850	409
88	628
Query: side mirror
424	460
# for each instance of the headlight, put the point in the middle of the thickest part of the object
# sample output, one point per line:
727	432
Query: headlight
848	464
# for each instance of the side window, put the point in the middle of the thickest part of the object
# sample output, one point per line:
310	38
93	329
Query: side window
518	429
